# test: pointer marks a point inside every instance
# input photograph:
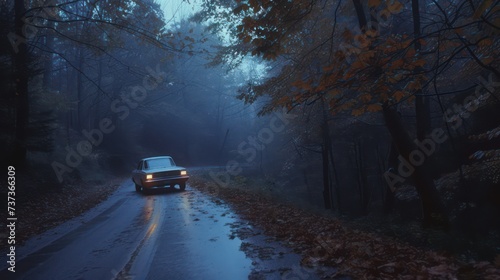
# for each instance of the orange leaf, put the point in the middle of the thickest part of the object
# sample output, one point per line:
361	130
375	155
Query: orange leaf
333	92
397	64
300	84
357	112
373	3
398	95
410	99
395	7
480	10
329	68
487	60
410	53
362	40
365	97
459	31
420	62
365	56
413	85
347	35
332	103
485	43
356	65
283	100
373	108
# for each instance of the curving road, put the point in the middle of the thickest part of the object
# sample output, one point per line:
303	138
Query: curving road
168	235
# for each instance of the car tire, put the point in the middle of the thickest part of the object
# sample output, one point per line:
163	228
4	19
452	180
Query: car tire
182	186
138	188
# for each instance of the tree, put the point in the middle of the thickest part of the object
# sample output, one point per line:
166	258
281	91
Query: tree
86	29
324	57
21	64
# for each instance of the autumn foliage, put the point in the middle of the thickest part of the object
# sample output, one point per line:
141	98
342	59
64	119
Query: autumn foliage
324	54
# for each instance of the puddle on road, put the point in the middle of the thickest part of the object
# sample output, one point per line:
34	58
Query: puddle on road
202	238
211	238
193	243
269	259
272	260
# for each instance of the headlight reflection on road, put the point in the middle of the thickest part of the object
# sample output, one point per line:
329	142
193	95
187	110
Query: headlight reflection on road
152	215
147	210
151	230
186	204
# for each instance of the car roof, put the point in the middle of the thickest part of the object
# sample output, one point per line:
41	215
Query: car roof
158	157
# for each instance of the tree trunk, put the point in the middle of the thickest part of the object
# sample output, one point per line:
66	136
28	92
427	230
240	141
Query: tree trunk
70	89
421	102
336	184
48	66
388	191
360	12
326	177
306	182
362	182
80	110
21	72
96	117
327	155
432	209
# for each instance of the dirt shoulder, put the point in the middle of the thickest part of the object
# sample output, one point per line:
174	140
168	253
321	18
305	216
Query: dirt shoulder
331	242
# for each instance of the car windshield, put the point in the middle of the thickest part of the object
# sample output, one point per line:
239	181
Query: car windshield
159	163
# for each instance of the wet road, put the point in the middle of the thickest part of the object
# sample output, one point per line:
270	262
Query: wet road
168	235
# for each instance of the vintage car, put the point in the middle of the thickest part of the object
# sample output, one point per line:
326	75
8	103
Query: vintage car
158	172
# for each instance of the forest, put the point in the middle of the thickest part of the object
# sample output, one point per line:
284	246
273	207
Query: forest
381	112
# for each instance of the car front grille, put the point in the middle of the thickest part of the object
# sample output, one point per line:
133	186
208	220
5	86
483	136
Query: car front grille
168	173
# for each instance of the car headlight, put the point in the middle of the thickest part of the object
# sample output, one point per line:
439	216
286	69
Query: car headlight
184	172
149	176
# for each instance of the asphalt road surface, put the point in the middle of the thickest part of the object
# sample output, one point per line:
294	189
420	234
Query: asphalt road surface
166	235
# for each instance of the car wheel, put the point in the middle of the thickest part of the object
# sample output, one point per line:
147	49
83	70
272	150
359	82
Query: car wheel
182	186
138	188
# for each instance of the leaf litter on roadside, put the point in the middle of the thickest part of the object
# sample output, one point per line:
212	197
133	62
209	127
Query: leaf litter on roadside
359	254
